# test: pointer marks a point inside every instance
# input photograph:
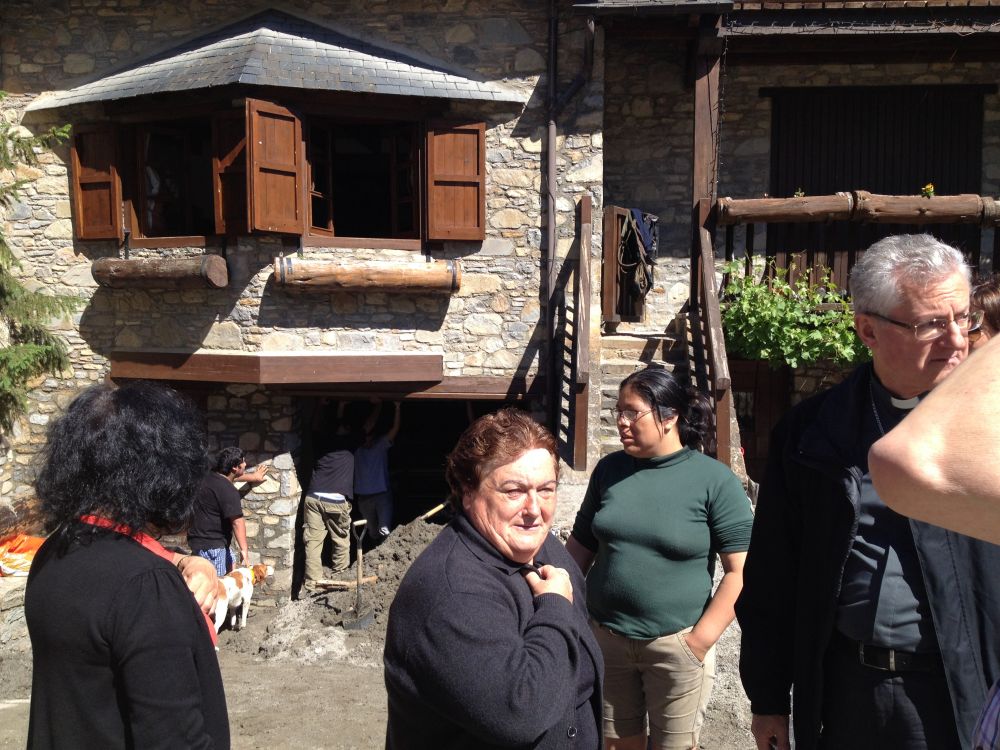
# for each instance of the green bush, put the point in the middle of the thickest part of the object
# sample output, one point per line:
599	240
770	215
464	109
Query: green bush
796	323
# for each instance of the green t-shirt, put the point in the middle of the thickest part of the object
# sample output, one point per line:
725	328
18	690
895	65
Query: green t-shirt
656	525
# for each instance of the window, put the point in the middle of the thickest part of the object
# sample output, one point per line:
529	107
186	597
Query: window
267	168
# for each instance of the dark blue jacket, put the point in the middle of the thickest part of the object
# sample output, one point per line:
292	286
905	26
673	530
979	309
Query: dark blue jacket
806	520
473	660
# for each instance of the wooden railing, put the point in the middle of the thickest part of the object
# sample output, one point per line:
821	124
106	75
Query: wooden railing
905	213
711	368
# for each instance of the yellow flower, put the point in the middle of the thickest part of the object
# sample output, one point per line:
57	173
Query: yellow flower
927	190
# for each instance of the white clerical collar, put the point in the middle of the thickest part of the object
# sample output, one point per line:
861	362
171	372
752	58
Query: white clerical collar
905	403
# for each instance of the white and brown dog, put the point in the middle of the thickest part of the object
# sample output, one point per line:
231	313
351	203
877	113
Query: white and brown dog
235	593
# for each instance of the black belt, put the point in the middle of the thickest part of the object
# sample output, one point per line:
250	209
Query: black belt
891	659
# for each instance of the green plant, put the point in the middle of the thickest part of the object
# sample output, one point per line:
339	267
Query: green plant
796	323
27	348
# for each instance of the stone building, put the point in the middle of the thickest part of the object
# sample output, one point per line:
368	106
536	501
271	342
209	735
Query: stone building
404	206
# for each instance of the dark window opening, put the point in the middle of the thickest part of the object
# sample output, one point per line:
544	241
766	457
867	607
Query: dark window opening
174	169
363	180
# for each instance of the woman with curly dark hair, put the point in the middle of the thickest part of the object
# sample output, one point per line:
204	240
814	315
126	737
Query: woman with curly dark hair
122	654
654	517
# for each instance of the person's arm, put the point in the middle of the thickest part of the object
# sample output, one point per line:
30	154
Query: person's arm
396	421
252	478
202	580
719	612
766	606
582	556
240	533
374	414
941	464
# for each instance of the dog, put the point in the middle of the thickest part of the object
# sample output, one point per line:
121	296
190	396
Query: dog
235	593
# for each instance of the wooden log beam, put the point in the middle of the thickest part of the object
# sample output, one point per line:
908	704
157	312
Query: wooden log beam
803	209
438	276
915	209
862	206
196	272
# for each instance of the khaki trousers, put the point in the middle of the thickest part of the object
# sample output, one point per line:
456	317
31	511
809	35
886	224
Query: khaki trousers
321	518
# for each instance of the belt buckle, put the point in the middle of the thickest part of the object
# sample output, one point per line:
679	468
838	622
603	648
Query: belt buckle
892	659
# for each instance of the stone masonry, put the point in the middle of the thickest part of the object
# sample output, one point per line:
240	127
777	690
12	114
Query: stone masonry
492	327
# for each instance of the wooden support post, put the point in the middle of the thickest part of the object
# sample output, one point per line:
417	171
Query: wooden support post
581	338
200	271
444	277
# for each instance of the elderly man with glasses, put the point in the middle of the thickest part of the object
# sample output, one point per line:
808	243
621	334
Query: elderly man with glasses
879	631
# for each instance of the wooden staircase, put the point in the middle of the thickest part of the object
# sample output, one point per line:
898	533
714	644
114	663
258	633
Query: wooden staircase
623	354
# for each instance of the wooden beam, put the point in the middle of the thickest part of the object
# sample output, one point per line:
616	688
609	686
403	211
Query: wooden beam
277	368
862	206
803	209
199	271
706	125
463	388
443	276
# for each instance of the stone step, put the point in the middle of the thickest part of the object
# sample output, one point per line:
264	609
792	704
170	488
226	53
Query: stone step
662	347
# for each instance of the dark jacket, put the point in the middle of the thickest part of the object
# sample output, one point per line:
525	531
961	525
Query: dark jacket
122	656
806	520
473	660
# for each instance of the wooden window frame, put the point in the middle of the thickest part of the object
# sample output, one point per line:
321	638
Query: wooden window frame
241	164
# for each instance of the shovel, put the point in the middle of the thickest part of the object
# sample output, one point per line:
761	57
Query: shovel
359	617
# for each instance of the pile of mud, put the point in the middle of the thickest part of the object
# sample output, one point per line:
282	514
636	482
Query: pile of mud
310	630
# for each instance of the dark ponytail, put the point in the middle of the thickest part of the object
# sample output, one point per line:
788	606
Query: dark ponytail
663	391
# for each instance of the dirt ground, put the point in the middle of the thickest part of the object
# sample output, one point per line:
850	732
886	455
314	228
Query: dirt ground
295	678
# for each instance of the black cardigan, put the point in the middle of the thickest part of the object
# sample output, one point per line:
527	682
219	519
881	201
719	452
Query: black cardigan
122	655
473	660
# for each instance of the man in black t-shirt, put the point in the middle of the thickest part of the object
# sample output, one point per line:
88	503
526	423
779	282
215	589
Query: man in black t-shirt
218	511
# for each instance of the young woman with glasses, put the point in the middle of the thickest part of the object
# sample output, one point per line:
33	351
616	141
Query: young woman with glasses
654	517
985	299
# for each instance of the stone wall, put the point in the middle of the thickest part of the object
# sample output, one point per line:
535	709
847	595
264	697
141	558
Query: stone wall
492	327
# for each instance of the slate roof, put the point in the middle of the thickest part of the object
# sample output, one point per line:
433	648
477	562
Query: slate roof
651	7
278	49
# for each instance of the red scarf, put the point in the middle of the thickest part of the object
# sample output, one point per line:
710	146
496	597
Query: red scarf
152	545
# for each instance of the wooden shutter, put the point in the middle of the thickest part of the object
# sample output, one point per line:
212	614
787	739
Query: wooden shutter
229	173
276	174
97	190
456	181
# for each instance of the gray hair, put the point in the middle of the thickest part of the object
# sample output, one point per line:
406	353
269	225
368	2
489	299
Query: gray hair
917	260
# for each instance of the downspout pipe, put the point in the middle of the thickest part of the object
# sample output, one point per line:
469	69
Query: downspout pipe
555	103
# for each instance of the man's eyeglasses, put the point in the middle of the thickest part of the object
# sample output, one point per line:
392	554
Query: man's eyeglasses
975	333
628	415
937	327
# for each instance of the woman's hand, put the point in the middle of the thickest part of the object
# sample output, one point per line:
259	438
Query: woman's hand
201	578
697	646
550	580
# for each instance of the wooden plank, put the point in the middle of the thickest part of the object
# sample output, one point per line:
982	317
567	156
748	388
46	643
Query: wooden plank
609	265
713	316
581	325
276	172
723	427
277	368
